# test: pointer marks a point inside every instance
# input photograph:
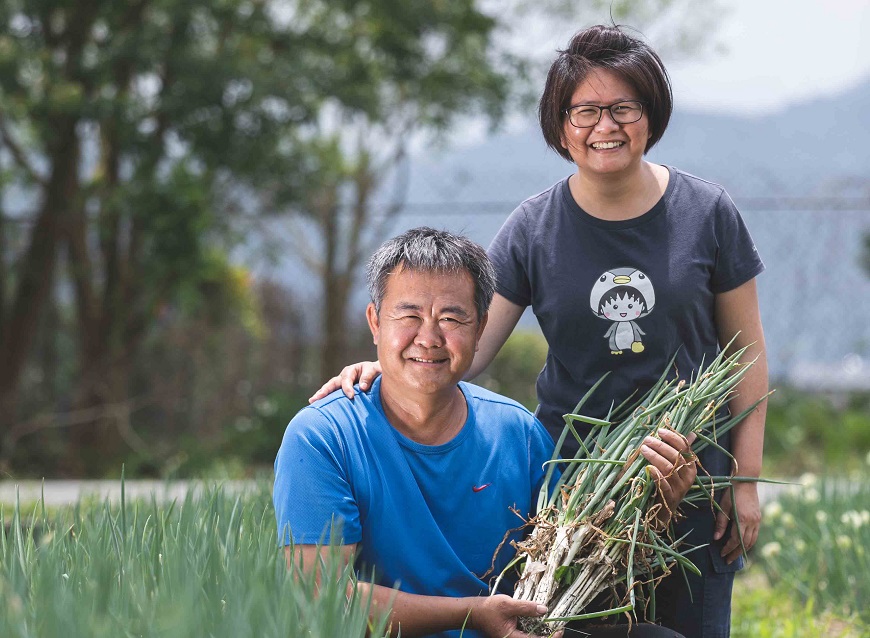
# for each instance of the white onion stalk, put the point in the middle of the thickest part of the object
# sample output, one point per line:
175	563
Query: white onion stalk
599	524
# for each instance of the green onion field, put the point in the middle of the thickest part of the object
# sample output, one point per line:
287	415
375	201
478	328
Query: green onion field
209	565
810	568
201	567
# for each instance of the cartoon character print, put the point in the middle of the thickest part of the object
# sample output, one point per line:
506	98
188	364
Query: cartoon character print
622	295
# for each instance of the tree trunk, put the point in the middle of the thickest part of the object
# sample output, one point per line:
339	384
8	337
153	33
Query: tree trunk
340	271
334	351
37	269
335	290
96	445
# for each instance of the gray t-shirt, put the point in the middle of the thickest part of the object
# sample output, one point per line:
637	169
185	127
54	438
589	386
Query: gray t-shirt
624	296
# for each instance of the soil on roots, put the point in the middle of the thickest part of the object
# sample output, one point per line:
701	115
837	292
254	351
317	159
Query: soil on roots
535	627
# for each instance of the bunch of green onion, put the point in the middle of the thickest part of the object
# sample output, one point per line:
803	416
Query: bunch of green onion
599	524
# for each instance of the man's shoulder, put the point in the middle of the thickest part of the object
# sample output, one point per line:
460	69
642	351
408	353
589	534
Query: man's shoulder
333	400
336	404
490	397
332	415
508	423
489	403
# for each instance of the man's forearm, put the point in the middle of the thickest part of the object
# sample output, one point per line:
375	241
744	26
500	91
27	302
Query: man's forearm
418	615
414	614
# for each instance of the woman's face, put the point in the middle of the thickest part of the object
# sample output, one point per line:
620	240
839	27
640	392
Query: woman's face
607	148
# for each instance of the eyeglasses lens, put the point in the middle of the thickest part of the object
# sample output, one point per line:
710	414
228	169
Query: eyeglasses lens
586	115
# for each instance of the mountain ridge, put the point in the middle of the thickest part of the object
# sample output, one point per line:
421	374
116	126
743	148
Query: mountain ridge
811	148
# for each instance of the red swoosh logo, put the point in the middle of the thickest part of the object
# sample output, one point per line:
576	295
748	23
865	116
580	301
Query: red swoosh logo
478	488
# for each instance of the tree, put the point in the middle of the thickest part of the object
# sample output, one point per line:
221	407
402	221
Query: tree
448	61
136	137
437	63
133	134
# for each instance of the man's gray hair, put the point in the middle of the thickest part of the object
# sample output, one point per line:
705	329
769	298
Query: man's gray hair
428	250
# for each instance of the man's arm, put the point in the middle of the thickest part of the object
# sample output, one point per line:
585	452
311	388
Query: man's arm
417	615
737	315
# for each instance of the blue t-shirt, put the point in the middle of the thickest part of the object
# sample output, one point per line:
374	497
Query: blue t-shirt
622	296
427	518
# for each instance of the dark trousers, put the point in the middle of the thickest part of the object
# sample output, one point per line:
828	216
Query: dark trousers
703	609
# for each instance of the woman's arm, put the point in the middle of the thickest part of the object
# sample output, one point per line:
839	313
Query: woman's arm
503	318
737	316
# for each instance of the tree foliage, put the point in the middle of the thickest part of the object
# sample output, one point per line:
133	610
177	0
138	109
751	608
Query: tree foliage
411	68
130	133
468	58
137	138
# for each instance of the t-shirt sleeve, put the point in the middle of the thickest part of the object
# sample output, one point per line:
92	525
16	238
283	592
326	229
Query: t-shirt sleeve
737	259
314	501
509	253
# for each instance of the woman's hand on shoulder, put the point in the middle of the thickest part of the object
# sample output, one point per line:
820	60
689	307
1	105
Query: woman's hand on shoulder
364	372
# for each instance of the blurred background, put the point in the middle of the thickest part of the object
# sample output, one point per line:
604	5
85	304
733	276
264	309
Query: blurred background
189	190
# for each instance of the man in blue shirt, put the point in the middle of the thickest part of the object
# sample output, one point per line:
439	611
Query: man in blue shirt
421	477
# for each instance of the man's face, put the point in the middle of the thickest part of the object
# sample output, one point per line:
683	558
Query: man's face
427	330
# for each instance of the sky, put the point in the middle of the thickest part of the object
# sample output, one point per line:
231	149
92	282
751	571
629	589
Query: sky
767	55
778	52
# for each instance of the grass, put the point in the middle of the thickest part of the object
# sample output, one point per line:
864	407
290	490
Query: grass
816	433
207	566
760	610
816	538
810	566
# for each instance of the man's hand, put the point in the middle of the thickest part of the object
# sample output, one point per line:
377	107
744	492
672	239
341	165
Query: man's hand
497	616
365	372
672	465
748	511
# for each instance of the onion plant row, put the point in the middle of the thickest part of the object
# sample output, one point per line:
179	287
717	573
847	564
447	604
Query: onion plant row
598	527
816	538
205	566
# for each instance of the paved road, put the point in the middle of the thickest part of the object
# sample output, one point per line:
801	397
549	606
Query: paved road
66	492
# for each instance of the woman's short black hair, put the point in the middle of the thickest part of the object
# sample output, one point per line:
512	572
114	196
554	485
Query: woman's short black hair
609	48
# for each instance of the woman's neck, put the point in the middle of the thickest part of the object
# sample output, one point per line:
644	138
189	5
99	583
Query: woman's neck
619	197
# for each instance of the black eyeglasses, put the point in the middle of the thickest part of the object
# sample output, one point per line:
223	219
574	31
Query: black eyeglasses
588	115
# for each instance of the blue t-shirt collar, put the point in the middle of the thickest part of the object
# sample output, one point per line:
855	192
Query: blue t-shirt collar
375	395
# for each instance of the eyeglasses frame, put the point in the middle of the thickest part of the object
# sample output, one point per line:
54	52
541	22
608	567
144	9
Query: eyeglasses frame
601	110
